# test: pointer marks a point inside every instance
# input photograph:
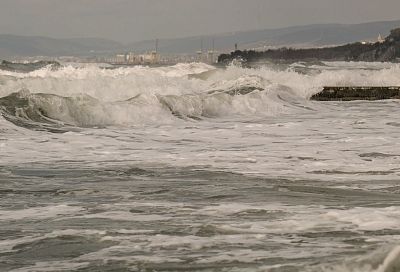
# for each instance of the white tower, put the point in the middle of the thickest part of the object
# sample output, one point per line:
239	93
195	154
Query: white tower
380	39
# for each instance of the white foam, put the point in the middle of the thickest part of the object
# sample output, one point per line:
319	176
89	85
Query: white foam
9	245
124	83
368	218
307	218
39	213
274	145
126	216
52	266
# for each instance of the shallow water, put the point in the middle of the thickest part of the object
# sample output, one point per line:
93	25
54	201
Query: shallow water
190	176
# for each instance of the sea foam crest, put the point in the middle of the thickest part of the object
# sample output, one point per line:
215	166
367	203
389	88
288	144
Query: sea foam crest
95	96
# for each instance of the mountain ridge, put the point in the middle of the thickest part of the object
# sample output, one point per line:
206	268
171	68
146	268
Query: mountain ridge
298	36
295	36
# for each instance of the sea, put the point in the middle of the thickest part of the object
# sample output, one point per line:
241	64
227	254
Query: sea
193	167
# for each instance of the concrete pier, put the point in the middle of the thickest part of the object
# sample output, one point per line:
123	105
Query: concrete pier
357	93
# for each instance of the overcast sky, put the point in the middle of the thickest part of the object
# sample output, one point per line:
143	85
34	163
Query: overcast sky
134	20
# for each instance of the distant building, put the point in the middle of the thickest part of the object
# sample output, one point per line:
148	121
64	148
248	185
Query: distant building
199	56
380	39
210	56
154	57
120	58
135	59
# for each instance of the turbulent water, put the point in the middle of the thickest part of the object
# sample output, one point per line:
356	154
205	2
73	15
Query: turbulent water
197	168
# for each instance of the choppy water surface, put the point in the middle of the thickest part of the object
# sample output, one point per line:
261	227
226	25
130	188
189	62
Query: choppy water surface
187	168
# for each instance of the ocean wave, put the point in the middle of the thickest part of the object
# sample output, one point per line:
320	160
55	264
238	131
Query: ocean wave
241	97
91	96
27	67
126	82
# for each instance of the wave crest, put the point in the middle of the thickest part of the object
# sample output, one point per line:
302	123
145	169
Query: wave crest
245	96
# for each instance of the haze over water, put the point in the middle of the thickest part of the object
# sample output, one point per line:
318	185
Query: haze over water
197	168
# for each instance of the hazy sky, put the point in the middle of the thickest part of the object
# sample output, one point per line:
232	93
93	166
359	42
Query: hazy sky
134	20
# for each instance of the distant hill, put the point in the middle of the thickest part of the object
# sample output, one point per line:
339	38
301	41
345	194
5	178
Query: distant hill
12	45
383	50
298	36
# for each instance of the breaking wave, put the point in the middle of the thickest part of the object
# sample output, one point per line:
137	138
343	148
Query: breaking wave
28	109
92	96
26	67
